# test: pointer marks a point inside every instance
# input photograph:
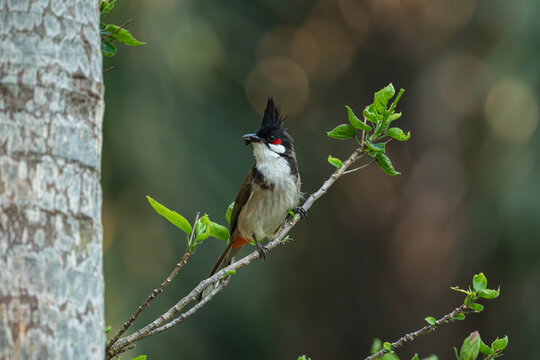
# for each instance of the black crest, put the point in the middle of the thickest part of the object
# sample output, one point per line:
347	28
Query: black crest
272	119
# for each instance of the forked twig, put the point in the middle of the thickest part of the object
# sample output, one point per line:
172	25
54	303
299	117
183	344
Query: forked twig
167	320
156	292
426	329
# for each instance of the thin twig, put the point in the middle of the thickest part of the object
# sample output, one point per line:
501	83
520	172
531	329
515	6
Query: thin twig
492	356
363	134
360	167
193	229
108	69
426	329
154	293
222	284
117	29
194	294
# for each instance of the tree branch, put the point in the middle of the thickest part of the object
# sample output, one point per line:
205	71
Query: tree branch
156	292
117	29
426	329
360	167
222	284
164	322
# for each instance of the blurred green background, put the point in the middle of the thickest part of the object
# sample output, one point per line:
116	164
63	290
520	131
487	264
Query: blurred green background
378	253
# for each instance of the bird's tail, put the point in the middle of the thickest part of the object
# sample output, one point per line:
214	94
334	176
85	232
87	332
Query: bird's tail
224	260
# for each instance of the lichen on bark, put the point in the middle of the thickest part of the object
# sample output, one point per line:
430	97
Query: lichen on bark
51	109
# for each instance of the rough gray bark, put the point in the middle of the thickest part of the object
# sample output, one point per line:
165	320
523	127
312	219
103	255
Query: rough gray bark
51	282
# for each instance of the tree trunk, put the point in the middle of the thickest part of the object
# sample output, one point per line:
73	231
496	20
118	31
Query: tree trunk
51	107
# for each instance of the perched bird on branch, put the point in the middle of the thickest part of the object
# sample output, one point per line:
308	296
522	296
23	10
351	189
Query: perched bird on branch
270	189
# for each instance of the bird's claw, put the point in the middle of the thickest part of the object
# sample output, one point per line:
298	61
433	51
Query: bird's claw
300	210
262	250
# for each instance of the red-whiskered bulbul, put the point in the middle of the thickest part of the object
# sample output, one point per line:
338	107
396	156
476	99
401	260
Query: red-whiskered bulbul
269	190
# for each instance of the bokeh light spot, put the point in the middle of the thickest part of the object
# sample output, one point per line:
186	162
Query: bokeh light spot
463	82
280	77
358	18
305	50
512	111
295	43
447	14
337	48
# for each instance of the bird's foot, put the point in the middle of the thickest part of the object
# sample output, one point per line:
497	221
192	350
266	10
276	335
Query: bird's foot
262	250
300	210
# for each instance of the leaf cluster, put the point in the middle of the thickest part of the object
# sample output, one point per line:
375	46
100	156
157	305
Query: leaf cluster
202	229
473	346
375	129
480	290
111	32
378	345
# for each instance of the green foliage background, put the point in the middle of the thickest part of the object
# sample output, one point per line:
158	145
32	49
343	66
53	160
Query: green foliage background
378	253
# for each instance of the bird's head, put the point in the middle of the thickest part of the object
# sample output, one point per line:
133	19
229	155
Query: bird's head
271	136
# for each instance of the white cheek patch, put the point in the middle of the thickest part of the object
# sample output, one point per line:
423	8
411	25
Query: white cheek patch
263	153
280	149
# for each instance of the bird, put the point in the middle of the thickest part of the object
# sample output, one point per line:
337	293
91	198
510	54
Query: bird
270	189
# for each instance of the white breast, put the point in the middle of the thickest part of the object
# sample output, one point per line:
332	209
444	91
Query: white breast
266	208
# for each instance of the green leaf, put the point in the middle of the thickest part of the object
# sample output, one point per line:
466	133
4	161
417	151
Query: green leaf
108	48
122	35
479	282
287	239
398	134
431	320
356	122
370	112
108	329
387	346
106	6
431	357
292	214
175	218
303	357
471	298
394	104
219	231
456	288
484	349
394	116
476	307
229	212
229	273
415	357
376	346
390	356
202	229
385	164
335	161
471	347
500	344
380	147
382	97
489	293
460	316
142	357
342	132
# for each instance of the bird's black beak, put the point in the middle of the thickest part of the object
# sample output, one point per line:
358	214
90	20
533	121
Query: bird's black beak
250	138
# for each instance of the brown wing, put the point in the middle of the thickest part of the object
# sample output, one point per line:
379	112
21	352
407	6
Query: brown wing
241	199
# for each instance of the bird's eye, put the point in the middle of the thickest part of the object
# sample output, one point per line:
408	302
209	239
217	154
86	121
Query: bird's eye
276	141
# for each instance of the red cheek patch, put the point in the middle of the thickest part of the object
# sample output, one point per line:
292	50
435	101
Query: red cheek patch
276	142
